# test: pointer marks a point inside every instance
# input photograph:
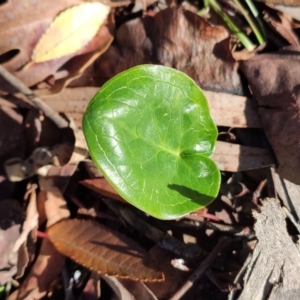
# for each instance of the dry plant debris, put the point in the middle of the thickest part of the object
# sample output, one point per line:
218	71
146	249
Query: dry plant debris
66	233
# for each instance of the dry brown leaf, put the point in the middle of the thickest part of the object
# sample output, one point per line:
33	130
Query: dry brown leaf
278	98
103	250
188	43
49	262
103	187
11	216
18	169
138	289
283	2
289	9
31	221
283	26
12	144
70	31
175	38
25	18
46	268
121	292
92	289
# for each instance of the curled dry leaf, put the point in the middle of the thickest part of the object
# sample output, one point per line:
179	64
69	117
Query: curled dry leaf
175	38
49	262
103	250
283	26
45	270
278	97
188	43
11	216
12	144
31	221
70	31
121	292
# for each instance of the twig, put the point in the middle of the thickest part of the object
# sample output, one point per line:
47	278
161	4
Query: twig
235	230
223	287
222	243
257	192
22	88
190	252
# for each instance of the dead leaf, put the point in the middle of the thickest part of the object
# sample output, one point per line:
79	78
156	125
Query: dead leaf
189	44
283	26
278	98
21	19
70	31
12	144
92	289
25	18
138	289
18	169
175	38
31	221
23	260
55	206
121	292
46	268
49	262
11	216
103	250
290	8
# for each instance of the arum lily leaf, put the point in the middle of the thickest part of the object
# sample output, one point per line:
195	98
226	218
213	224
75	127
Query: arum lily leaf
150	132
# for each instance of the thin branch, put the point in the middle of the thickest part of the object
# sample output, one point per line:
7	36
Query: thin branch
22	88
222	243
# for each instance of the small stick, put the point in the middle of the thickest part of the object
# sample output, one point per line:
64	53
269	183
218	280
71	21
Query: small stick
223	287
257	192
222	243
22	88
235	230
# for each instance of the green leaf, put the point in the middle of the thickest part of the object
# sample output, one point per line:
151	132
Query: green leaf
150	132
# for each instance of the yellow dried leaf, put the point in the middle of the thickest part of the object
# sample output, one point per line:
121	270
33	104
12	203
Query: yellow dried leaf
70	31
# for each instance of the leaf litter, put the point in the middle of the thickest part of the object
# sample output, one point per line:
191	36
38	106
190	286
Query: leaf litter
256	151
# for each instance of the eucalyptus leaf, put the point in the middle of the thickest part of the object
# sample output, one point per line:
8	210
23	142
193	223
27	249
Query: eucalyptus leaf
150	133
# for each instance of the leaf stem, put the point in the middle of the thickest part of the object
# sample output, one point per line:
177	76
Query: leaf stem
42	235
232	26
255	14
248	18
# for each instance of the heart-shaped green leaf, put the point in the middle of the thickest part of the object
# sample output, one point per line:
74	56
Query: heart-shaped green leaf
150	132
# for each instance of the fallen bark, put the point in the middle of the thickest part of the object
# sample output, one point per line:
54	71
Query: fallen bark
274	268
